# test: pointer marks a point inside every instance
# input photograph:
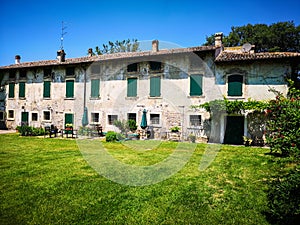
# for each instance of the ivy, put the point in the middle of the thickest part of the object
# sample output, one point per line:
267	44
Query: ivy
232	107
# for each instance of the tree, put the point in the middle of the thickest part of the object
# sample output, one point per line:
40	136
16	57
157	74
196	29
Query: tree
280	36
118	46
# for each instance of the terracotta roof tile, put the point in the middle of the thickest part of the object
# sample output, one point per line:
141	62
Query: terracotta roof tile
234	56
122	55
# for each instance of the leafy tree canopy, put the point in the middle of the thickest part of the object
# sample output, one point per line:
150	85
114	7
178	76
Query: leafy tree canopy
118	46
280	36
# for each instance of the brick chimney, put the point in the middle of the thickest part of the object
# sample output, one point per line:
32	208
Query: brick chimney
61	55
218	39
17	59
155	46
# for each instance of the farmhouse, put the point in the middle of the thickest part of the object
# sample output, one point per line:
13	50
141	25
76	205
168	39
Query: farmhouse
164	82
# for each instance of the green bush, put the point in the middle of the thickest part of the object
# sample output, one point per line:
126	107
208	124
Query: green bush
283	126
30	131
111	136
284	199
132	125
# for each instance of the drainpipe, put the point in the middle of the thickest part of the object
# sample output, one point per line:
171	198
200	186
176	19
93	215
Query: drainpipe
84	89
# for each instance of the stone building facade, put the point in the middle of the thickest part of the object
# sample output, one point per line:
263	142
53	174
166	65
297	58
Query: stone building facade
120	86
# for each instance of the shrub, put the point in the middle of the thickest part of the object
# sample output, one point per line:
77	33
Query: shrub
192	138
30	131
132	125
284	199
283	126
111	136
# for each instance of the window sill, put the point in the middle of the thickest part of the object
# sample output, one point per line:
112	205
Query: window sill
132	98
11	98
46	98
235	97
10	119
154	97
95	98
196	96
69	98
22	98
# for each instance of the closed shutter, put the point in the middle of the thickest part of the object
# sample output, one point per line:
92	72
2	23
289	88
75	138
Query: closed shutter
68	118
131	87
70	88
22	90
95	87
235	85
195	85
47	89
11	90
154	86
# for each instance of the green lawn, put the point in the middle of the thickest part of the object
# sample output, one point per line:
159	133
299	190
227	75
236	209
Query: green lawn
47	181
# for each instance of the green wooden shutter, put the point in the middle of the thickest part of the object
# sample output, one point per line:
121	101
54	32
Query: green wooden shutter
70	88
68	118
195	85
24	118
47	89
95	87
22	90
11	90
131	87
235	85
154	86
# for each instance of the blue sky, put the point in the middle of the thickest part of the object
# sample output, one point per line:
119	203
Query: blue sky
32	28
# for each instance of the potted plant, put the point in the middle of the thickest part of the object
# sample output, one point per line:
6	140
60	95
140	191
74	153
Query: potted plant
69	126
175	129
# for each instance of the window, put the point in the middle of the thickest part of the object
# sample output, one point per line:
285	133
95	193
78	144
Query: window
12	74
23	74
11	90
69	88
111	119
22	90
154	86
196	85
46	115
195	120
95	87
47	89
235	85
34	116
95	69
47	73
131	116
70	71
155	66
132	67
131	87
95	117
11	114
154	119
2	116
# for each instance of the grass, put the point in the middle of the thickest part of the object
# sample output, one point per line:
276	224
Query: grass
47	181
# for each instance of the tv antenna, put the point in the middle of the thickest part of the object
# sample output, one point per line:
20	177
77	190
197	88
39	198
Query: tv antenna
63	33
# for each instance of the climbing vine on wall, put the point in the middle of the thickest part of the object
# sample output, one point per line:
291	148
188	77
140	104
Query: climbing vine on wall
232	107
